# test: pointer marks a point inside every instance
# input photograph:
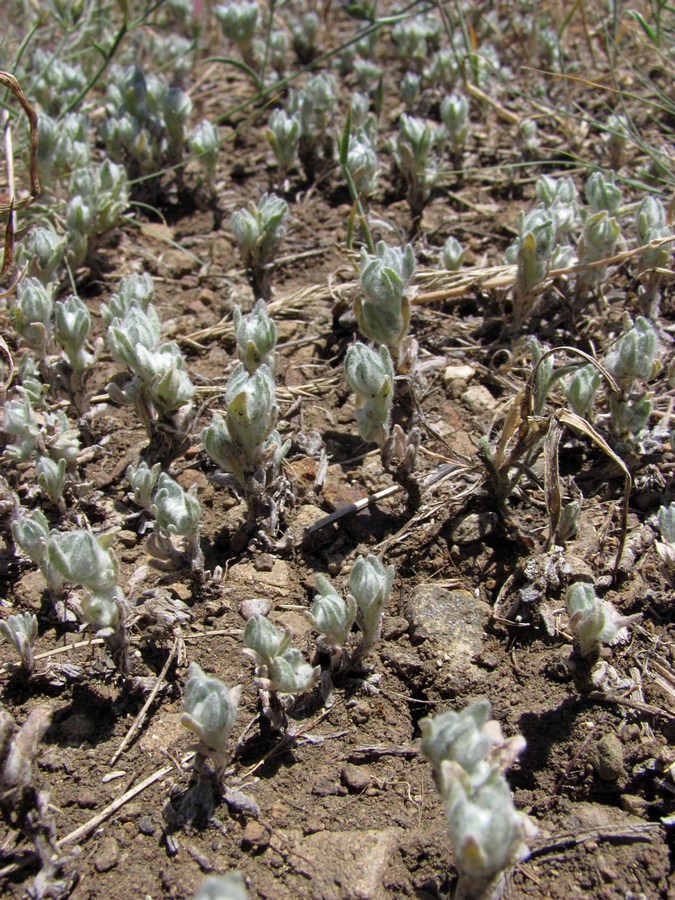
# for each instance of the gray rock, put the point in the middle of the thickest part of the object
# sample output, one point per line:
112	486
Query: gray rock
355	778
449	627
473	527
608	757
107	855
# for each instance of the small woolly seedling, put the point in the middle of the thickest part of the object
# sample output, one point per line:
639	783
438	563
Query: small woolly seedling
593	621
209	712
469	755
280	668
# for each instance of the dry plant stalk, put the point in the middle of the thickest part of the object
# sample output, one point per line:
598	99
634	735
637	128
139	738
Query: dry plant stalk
9	81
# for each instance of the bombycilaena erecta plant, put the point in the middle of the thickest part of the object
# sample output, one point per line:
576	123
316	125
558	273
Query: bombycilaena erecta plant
531	252
451	256
382	308
223	887
617	133
632	362
85	561
469	755
25	807
652	225
246	445
283	136
666	546
204	143
256	337
209	712
21	630
280	669
239	22
313	106
159	387
593	621
333	615
414	152
455	119
175	514
370	375
258	230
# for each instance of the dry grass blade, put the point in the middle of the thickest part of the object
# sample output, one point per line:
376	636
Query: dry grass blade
572	420
12	85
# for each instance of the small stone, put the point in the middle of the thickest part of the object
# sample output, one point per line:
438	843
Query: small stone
86	799
127	538
146	826
325	787
360	712
456	379
263	562
256	606
638	806
355	778
608	757
255	836
479	400
178	263
107	855
473	527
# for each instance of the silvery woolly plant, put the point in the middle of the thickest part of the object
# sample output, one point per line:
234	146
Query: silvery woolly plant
246	445
175	514
531	252
489	835
333	615
256	337
651	223
223	887
239	22
280	669
159	386
258	230
414	153
204	144
283	136
632	362
21	630
455	118
593	622
209	712
313	107
666	546
86	561
370	375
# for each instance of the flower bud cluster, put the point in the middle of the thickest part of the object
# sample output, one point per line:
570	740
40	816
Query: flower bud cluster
209	712
333	615
593	621
469	755
280	668
246	440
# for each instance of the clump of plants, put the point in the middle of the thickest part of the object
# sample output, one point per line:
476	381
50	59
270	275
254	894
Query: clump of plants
489	835
333	616
246	445
258	230
159	386
282	672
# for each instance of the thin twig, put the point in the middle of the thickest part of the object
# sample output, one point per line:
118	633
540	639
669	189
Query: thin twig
140	718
